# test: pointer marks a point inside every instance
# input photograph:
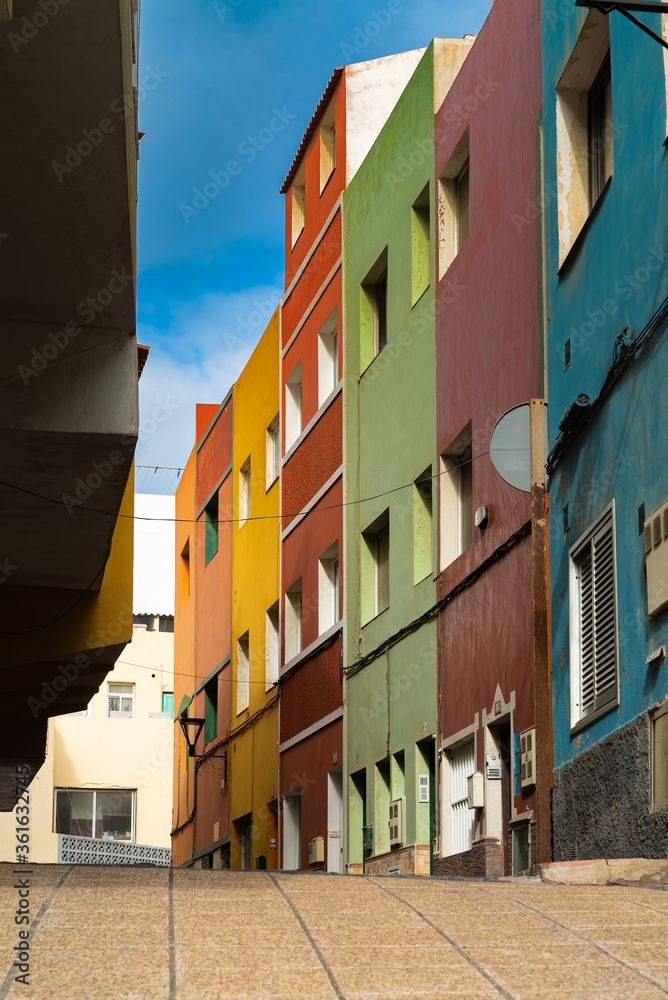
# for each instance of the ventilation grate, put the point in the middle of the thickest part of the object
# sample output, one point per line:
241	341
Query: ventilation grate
566	517
567	353
641	518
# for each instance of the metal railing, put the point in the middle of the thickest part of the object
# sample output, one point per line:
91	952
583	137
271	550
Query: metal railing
96	851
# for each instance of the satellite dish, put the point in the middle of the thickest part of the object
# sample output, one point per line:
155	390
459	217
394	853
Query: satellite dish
510	446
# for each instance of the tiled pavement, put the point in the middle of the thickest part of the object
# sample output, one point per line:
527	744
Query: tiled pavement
155	934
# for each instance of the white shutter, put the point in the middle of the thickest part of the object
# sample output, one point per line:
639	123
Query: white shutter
462	764
597	619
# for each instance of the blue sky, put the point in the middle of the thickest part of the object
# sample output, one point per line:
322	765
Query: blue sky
221	81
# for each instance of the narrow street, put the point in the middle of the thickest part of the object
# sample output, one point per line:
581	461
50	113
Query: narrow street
157	934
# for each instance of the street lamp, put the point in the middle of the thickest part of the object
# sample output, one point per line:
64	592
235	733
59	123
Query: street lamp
624	8
186	724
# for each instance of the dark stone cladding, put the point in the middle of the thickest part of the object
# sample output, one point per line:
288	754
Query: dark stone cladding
483	860
601	805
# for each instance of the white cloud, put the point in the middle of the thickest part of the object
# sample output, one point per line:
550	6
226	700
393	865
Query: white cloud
195	361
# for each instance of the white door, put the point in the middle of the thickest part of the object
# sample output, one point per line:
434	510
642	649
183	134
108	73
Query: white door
335	821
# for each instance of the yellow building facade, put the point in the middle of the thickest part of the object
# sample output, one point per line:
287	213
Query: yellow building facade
255	643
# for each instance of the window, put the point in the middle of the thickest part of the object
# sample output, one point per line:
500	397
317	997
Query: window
184	575
454	222
298	198
456	497
166	623
599	131
120	701
104	814
211	710
422	521
584	129
593	621
273	452
328	588
327	146
211	529
293	620
272	647
293	406
143	623
244	491
168	703
659	724
420	245
373	311
328	357
462	819
243	674
375	567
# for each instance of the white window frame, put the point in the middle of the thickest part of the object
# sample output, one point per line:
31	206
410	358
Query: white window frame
243	673
120	714
328	357
94	792
244	492
293	406
272	646
293	620
463	820
604	522
328	588
273	452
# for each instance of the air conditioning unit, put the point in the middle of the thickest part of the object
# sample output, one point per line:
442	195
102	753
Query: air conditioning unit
656	559
528	757
476	794
396	823
316	851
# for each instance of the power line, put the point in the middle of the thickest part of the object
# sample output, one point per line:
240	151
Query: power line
235	520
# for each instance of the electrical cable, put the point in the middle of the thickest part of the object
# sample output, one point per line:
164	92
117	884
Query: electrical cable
40	628
235	520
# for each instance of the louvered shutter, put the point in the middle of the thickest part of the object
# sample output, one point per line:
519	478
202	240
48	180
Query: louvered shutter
598	631
462	764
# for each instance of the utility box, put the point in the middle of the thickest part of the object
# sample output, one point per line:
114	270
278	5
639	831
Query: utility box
528	758
493	766
367	838
476	794
316	851
396	823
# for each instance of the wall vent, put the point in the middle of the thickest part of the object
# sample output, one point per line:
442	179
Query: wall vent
565	515
567	353
641	518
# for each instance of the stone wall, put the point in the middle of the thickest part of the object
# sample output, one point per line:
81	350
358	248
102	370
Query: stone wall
484	859
601	805
413	860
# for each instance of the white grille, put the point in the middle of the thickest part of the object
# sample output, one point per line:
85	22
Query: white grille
462	764
94	851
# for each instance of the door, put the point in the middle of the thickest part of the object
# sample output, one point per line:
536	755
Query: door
292	831
335	821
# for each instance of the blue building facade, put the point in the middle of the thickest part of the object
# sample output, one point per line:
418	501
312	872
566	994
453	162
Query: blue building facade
605	324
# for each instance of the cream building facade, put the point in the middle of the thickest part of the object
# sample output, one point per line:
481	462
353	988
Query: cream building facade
104	792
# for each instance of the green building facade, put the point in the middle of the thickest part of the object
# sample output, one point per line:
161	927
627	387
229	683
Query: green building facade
390	441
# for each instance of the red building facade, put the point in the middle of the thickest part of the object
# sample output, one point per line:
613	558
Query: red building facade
491	583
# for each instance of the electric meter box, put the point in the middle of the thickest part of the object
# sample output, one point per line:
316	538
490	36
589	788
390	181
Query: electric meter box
475	790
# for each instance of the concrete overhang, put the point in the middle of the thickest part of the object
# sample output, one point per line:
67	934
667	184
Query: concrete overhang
68	375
